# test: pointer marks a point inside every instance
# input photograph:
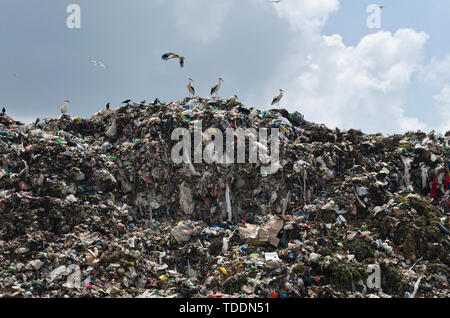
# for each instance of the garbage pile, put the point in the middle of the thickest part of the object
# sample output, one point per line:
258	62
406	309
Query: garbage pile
97	208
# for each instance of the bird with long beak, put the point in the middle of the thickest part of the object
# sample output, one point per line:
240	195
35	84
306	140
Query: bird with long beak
191	88
232	100
216	88
277	99
64	107
170	55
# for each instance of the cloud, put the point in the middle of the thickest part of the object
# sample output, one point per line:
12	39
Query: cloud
309	15
201	20
304	15
362	86
436	73
443	102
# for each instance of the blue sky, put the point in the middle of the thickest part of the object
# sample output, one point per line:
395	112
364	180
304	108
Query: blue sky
430	16
256	46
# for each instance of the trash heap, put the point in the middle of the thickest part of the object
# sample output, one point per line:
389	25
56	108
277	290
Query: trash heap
97	208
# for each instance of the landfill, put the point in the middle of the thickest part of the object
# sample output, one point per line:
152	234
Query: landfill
96	208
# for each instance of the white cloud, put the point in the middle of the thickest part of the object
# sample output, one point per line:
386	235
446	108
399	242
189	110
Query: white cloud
362	86
437	72
309	15
201	20
436	75
443	101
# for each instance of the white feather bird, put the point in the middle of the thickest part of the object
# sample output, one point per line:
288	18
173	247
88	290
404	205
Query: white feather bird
64	107
98	63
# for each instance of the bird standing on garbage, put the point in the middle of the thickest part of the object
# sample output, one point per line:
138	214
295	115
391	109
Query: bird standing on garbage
191	88
156	101
107	106
170	55
232	100
277	99
64	107
3	110
216	88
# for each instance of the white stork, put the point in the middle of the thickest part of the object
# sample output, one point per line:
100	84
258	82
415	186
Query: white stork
170	55
64	107
277	99
216	88
191	88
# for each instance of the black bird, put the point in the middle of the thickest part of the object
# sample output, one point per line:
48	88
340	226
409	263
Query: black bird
3	110
143	102
171	55
156	102
126	101
107	106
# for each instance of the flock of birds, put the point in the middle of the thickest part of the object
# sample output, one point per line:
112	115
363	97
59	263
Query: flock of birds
168	56
215	88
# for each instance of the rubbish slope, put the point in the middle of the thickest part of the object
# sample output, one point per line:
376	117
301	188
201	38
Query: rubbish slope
97	207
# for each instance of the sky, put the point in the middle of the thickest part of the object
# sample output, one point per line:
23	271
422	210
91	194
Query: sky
334	68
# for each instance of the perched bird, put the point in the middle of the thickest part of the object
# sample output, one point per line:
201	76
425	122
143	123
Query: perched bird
107	106
191	88
156	101
98	63
64	107
277	99
3	110
232	100
216	88
169	55
143	102
126	101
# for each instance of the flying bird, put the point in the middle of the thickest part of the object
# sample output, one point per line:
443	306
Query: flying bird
64	107
276	1
169	55
216	88
98	63
191	88
277	99
126	101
